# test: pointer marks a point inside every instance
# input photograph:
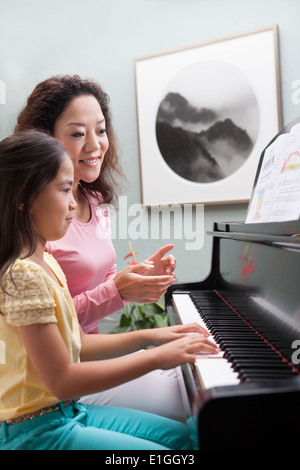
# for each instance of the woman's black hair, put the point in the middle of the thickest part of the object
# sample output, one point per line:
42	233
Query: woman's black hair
46	104
29	161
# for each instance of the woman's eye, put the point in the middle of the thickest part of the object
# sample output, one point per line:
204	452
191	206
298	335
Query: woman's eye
102	131
77	134
67	190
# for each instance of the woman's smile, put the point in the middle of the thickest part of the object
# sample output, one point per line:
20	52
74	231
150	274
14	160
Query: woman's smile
90	161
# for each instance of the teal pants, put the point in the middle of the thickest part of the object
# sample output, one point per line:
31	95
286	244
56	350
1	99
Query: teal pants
88	427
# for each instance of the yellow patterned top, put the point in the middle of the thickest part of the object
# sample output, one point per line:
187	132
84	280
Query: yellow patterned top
35	298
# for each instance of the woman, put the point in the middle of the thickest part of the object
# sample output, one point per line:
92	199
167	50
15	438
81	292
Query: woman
76	112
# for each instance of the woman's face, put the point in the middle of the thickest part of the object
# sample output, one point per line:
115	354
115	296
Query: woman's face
81	130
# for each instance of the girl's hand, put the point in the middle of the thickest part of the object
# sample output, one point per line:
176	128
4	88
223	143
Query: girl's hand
182	351
166	334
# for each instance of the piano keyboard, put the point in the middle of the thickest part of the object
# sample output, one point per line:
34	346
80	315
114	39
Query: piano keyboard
245	354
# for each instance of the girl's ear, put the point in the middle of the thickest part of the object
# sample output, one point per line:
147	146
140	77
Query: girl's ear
21	206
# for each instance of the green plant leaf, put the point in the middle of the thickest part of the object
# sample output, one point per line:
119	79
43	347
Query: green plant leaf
125	321
136	316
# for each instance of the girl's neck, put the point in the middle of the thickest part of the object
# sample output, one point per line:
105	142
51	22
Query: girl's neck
38	255
38	258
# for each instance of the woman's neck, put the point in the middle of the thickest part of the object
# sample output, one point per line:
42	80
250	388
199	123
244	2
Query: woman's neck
82	213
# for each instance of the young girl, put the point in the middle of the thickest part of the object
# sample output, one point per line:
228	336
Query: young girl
49	362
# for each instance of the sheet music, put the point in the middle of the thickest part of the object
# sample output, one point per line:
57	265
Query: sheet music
277	193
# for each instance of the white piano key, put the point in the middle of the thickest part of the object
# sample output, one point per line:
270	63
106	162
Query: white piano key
212	370
215	373
187	312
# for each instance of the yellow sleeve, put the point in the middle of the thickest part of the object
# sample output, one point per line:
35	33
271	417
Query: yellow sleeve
29	298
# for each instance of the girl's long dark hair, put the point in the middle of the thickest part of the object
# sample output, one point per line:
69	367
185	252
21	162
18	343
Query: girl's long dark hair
48	101
29	161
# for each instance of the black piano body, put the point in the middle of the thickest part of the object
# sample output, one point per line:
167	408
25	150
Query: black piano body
256	272
261	262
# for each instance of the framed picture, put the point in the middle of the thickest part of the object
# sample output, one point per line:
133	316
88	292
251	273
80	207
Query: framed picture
205	113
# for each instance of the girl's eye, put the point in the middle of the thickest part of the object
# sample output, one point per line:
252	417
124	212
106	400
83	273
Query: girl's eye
67	190
102	131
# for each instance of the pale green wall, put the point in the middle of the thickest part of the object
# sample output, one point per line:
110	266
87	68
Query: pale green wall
101	39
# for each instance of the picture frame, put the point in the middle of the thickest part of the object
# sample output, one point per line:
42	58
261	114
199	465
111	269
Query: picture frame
204	114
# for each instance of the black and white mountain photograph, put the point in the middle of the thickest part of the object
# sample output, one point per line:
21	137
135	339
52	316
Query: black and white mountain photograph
207	121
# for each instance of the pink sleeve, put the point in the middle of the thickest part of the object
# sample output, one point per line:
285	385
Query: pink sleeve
87	257
97	303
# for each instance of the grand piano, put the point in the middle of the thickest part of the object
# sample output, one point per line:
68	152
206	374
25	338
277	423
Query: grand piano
247	396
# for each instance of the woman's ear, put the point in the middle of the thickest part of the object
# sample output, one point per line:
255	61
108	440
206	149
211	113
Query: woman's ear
21	206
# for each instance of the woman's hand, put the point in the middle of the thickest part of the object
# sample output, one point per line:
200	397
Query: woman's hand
147	282
162	265
135	284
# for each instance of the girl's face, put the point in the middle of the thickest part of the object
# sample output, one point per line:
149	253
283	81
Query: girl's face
51	212
81	131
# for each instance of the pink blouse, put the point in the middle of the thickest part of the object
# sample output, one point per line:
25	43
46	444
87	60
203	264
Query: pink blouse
87	257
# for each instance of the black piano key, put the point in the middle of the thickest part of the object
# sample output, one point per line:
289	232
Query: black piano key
249	352
263	376
253	345
252	353
260	364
